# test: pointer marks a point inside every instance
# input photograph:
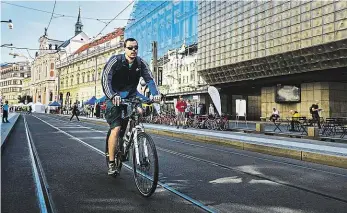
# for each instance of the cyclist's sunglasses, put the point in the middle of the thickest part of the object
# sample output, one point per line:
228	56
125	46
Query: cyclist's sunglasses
132	48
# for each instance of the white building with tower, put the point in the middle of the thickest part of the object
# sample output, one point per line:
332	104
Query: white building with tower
44	76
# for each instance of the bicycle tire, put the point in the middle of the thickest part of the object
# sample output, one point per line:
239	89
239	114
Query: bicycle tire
155	166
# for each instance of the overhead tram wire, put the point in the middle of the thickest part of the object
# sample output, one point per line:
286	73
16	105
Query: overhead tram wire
112	20
29	54
58	15
22	48
89	18
55	2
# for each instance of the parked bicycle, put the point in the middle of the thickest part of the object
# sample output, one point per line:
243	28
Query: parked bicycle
142	147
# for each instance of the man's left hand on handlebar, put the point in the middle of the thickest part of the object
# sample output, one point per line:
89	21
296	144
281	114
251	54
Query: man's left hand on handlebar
156	98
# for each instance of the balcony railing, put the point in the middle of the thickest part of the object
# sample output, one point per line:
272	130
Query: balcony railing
87	54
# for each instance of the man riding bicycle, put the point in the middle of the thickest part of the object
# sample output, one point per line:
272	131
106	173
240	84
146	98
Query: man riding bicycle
120	78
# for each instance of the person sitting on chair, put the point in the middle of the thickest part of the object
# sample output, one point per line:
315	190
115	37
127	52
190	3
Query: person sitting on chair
275	115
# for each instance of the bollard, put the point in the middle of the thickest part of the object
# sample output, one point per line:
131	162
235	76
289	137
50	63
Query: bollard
313	132
259	127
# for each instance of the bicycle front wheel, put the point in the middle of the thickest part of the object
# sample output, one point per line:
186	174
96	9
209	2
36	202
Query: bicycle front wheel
145	164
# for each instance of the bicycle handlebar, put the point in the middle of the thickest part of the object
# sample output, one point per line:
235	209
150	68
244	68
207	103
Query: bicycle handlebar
135	101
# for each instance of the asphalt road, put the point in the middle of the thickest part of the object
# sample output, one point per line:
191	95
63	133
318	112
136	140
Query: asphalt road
222	179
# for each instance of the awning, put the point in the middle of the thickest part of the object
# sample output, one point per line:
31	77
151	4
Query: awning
101	100
56	104
91	101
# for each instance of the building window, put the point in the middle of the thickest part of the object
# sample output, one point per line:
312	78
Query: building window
52	66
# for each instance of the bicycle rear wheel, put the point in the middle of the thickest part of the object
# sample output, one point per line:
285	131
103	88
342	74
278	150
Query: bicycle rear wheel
145	164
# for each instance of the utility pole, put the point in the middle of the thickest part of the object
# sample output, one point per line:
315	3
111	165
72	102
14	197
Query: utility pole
95	74
155	60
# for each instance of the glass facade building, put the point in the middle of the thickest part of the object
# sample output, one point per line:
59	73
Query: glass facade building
240	40
170	23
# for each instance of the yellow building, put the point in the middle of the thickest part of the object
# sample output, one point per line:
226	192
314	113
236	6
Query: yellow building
26	91
11	80
80	73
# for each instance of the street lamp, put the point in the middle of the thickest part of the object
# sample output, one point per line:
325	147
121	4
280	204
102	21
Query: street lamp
6	45
19	55
10	24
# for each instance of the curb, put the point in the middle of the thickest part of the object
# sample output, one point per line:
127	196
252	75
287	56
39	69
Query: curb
319	158
9	133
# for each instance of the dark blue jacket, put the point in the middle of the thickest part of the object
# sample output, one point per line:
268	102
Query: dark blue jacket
119	79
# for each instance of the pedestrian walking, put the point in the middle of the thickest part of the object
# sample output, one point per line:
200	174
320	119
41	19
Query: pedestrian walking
75	112
5	113
29	110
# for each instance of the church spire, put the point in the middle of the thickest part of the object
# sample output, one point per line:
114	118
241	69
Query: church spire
78	25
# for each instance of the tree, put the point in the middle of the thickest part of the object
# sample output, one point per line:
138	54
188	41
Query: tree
21	99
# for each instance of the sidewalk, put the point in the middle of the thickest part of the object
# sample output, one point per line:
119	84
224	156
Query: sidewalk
6	128
329	153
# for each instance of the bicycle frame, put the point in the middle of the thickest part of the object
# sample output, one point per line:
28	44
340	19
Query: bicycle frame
134	129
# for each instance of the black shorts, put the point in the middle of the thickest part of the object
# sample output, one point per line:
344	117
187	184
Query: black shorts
113	114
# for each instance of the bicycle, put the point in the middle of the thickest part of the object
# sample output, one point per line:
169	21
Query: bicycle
142	146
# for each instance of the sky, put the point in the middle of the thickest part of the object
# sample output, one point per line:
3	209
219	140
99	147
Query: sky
29	24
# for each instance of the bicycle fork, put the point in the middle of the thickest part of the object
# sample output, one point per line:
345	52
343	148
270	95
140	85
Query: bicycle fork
137	154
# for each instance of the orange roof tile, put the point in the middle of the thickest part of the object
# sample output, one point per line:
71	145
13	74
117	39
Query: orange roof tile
107	37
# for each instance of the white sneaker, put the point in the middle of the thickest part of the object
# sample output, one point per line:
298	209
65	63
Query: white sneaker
112	170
